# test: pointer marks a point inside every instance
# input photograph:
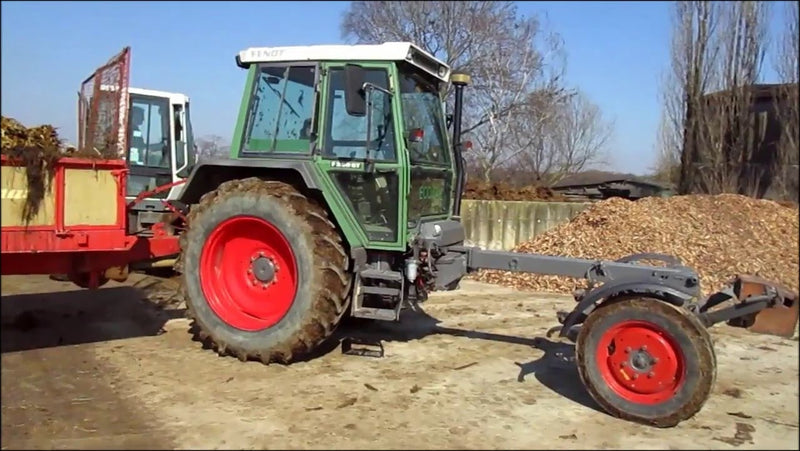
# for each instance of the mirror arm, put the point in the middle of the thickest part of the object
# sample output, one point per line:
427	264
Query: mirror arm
368	157
369	86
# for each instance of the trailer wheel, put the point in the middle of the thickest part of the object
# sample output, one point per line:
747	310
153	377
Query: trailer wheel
647	361
264	271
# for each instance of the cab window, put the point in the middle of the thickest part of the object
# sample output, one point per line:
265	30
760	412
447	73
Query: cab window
346	135
423	118
281	110
149	139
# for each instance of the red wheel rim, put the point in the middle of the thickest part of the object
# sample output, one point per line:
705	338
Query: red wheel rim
248	273
640	362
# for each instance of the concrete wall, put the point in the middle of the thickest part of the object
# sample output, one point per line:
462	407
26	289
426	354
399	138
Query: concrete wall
501	225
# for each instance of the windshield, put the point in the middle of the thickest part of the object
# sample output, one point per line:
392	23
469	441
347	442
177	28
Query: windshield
422	113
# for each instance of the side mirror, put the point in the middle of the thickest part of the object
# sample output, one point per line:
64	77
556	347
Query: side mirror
354	100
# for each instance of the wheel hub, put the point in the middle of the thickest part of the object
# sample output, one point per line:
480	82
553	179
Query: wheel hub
640	362
263	269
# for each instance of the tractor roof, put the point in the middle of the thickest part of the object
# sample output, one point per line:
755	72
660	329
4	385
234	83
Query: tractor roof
388	51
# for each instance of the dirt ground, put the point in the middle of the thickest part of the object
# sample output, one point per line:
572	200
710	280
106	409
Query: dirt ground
107	369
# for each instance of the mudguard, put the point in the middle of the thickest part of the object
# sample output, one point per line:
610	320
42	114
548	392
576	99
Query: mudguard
612	289
213	172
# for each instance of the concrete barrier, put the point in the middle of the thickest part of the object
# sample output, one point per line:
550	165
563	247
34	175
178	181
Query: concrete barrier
501	225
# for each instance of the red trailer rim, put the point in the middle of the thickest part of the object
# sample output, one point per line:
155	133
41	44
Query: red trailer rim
641	362
248	273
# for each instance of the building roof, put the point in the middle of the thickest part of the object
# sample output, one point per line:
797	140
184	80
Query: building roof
388	51
761	91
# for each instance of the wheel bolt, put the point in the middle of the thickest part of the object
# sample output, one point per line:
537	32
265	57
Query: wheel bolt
644	348
635	375
260	253
650	375
655	360
628	350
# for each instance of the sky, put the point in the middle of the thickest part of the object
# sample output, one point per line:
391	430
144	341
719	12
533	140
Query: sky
616	54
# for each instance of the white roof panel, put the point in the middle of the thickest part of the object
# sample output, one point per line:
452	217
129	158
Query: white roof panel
175	97
388	51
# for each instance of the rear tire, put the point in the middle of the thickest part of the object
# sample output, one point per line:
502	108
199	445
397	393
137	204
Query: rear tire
264	271
647	361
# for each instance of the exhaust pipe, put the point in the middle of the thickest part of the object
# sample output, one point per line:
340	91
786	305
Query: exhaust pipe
459	82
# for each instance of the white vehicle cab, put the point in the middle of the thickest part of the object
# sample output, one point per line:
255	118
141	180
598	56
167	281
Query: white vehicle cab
160	148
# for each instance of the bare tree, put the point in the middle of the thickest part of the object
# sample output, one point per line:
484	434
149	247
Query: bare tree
667	167
568	141
786	61
709	117
210	146
787	108
693	56
731	135
511	58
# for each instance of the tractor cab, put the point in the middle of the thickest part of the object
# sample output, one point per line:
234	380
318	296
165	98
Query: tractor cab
160	150
369	120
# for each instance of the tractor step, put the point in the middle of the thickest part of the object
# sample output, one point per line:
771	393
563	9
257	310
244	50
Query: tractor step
393	276
362	347
383	283
382	291
383	314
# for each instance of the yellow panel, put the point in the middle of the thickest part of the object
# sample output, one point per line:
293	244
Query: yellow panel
90	197
14	184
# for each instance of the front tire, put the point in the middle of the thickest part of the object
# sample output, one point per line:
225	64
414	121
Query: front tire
264	271
647	361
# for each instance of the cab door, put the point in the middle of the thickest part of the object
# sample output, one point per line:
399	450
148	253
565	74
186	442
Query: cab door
425	142
367	176
149	153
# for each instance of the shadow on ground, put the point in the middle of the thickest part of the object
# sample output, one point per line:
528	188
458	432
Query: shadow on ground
43	320
555	369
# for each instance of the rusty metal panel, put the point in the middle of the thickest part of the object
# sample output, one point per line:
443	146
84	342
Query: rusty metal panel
103	107
779	320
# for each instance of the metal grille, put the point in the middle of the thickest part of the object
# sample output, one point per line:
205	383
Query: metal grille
103	108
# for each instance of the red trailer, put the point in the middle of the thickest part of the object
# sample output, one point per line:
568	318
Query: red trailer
80	228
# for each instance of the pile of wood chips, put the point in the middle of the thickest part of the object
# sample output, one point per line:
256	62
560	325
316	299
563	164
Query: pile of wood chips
38	149
718	236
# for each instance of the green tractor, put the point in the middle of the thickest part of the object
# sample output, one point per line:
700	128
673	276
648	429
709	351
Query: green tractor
342	197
